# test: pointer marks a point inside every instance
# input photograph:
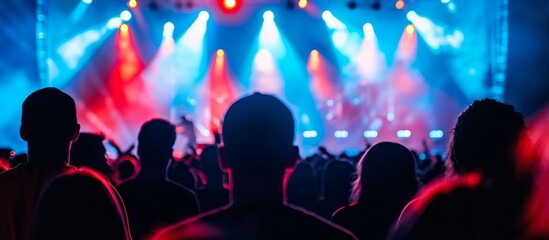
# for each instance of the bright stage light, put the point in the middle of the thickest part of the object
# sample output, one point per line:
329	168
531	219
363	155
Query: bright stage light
168	30
370	134
220	53
367	28
314	53
132	3
203	15
444	1
436	134
229	4
341	134
302	4
268	16
411	15
114	23
327	15
410	29
124	28
404	133
87	1
125	15
310	134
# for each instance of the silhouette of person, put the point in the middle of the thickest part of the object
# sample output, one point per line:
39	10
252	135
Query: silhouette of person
48	125
80	204
258	134
386	183
301	186
88	151
337	179
482	197
212	195
151	200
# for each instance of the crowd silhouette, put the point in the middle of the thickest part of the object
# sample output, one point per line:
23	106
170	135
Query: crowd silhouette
253	184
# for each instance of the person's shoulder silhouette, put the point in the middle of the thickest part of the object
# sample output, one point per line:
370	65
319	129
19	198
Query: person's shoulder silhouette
152	201
80	204
48	125
258	135
213	194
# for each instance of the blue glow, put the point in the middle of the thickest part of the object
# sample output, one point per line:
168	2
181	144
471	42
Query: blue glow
444	1
114	23
87	1
434	35
435	134
270	38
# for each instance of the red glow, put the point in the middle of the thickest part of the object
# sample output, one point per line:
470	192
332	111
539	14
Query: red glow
321	73
221	90
230	6
407	45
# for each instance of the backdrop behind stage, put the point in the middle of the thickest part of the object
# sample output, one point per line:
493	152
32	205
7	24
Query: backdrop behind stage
351	73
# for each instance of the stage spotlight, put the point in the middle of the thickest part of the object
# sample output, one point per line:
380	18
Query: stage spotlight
302	4
229	4
352	4
310	134
220	53
314	53
370	134
124	28
341	134
410	29
367	28
399	4
126	15
327	15
87	1
168	30
268	16
444	1
411	15
404	133
203	15
132	3
436	134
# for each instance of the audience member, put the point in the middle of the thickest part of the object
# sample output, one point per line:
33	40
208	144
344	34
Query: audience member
80	204
301	186
386	183
258	133
483	197
88	151
337	179
152	201
48	125
212	195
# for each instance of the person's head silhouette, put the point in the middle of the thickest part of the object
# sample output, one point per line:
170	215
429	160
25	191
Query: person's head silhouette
484	139
48	124
155	148
258	135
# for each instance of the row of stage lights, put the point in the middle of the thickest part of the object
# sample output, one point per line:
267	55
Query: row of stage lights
371	134
231	6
